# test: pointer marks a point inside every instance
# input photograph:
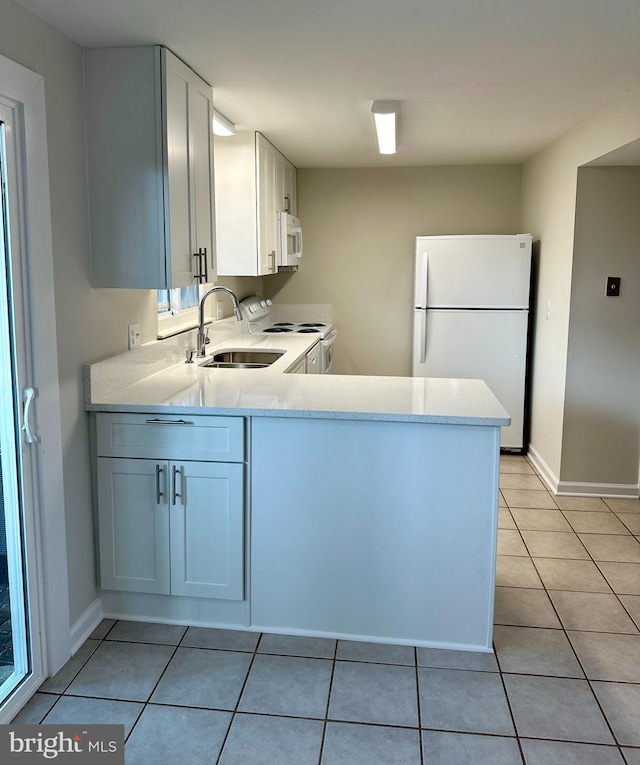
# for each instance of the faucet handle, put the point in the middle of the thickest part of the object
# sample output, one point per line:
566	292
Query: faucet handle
190	354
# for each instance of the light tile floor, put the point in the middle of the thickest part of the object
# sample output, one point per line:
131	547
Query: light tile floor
562	688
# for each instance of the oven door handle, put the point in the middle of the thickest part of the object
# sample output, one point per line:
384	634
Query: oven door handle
330	339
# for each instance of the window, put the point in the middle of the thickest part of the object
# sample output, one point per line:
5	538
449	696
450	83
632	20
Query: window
178	309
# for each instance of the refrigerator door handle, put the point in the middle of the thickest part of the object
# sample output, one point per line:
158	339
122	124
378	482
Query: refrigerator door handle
423	336
425	277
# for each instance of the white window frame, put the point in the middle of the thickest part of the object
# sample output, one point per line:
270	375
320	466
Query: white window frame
176	319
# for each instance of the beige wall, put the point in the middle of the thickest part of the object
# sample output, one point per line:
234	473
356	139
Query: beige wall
359	238
549	183
601	436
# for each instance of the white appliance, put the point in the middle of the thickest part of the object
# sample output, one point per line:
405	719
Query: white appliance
256	310
289	246
471	316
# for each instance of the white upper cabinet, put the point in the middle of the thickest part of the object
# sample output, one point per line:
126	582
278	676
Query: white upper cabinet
254	182
150	154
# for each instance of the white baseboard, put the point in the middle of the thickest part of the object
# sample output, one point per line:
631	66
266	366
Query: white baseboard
580	488
85	625
547	475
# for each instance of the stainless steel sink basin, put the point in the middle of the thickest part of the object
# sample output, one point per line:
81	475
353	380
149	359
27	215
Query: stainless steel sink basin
242	359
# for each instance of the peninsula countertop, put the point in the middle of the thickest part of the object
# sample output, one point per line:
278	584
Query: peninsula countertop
155	379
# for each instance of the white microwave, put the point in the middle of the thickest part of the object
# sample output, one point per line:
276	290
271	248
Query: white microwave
289	242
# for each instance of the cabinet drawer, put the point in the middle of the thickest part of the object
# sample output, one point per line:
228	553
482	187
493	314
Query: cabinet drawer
183	437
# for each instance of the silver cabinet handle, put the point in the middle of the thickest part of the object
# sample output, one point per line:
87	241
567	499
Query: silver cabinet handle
198	274
28	394
158	421
204	269
159	492
174	485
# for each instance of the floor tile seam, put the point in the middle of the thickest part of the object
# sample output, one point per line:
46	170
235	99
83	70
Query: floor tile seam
135	722
418	703
603	713
571	741
146	702
566	629
587	679
326	713
460	669
598	632
376	663
82	666
237	704
106	634
507	699
141	642
55	703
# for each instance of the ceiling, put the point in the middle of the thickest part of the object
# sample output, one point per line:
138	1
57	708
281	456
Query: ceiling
478	81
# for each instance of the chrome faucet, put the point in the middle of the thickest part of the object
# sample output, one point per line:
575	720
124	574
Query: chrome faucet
236	309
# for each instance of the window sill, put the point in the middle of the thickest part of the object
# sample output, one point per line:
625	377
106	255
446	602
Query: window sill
176	328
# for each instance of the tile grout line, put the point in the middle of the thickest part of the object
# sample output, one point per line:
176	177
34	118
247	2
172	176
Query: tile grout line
237	704
421	736
147	702
564	631
508	700
326	714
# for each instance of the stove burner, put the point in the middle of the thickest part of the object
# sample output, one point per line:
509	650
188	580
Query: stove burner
278	329
283	324
308	331
312	324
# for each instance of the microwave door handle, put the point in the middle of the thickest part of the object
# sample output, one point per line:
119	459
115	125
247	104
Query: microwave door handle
299	236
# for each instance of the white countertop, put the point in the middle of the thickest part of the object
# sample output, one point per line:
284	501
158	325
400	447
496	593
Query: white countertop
155	379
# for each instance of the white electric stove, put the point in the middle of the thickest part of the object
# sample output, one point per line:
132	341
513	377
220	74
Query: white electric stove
256	310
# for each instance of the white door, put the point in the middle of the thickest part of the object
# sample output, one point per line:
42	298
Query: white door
485	345
20	652
473	271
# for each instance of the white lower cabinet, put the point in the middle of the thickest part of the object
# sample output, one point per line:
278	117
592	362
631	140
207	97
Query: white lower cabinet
170	526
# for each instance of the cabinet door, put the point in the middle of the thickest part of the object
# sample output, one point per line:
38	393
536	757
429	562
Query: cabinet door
201	159
290	188
133	517
278	194
179	208
266	206
189	178
207	530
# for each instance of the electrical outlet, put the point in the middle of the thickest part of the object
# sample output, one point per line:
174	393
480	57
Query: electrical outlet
219	310
135	335
548	310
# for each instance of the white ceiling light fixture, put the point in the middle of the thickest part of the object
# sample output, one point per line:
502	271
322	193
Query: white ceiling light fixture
384	115
221	125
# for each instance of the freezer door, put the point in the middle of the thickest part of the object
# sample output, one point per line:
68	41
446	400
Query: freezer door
486	345
473	272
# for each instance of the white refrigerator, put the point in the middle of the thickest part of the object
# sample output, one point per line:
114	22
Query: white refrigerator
471	316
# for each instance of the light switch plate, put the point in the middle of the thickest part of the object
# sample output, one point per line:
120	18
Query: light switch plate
613	286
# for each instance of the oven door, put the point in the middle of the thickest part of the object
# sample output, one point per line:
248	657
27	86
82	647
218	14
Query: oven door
326	352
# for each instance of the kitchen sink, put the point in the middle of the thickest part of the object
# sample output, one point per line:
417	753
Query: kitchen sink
242	359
